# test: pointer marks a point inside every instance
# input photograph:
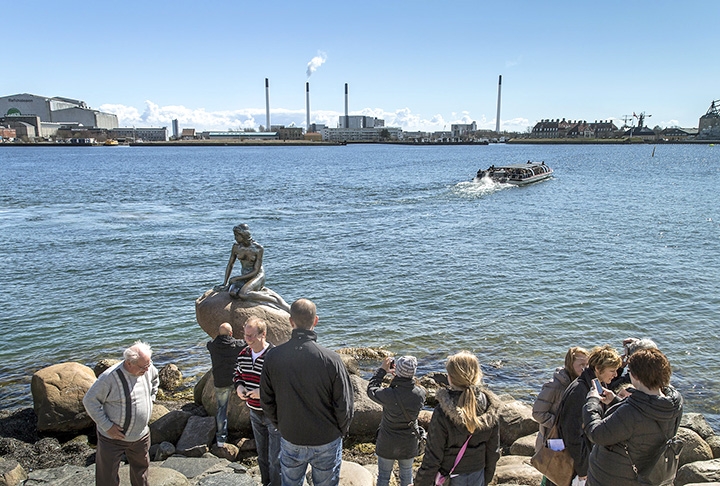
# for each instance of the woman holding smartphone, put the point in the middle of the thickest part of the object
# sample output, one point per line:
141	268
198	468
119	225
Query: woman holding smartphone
630	434
603	364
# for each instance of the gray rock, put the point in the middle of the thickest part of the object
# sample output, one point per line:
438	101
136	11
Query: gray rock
57	393
353	474
697	422
698	472
516	470
11	472
62	476
524	446
160	452
227	479
191	467
169	427
516	421
367	414
103	365
695	448
197	436
170	377
714	442
157	476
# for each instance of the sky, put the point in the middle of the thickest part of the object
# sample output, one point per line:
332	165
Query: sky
419	65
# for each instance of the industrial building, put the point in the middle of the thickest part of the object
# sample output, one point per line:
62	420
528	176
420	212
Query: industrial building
56	110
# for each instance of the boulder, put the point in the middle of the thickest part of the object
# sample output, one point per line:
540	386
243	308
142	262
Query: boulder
213	308
698	472
160	452
227	479
103	365
197	436
516	421
714	442
170	377
238	413
66	475
200	387
367	414
157	476
169	427
695	448
11	472
697	422
227	451
424	418
57	393
353	474
516	470
524	446
192	467
158	411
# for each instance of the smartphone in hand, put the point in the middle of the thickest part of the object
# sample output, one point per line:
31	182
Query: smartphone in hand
598	386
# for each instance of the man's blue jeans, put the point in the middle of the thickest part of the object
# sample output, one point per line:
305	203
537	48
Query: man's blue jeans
222	395
325	461
385	468
267	443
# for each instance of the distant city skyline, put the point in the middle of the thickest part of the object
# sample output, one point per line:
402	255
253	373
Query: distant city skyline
420	66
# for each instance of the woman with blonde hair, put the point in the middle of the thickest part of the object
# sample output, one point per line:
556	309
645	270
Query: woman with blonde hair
464	426
547	403
603	364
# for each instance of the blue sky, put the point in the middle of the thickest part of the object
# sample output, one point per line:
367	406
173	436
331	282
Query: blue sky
420	65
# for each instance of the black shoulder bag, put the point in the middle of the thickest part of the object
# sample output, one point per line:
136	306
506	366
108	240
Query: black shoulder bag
661	470
413	425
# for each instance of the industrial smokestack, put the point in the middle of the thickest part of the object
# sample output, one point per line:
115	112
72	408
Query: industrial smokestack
267	105
307	106
497	120
347	119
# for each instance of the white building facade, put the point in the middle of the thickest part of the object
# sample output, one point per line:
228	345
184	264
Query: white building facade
56	110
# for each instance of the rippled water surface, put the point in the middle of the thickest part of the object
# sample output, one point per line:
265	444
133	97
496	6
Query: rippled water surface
105	245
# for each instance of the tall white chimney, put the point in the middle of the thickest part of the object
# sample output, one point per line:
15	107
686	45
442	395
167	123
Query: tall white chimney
347	119
307	106
497	119
267	105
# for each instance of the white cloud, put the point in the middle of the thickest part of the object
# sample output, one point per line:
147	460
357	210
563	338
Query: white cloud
201	120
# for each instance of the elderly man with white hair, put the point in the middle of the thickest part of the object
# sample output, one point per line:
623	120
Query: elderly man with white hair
120	403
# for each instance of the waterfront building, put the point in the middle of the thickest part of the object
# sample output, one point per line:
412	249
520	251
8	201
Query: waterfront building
175	129
674	134
573	129
459	130
360	121
709	125
217	135
146	134
56	110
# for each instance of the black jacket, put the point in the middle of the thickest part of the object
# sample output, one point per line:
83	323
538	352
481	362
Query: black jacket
447	434
224	351
396	437
306	392
641	422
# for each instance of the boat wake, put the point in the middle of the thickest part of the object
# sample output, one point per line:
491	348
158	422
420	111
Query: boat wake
478	188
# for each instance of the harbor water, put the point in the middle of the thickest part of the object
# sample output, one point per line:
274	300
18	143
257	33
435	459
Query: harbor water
102	246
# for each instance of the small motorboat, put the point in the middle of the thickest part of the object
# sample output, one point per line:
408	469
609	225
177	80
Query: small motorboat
516	174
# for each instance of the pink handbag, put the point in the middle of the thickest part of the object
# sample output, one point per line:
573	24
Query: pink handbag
439	478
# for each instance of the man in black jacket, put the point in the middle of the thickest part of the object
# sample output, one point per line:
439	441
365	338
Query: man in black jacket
306	392
224	350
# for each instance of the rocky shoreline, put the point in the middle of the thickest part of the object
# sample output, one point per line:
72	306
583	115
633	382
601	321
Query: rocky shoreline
183	453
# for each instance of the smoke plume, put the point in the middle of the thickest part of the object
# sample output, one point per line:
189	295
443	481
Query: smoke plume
315	63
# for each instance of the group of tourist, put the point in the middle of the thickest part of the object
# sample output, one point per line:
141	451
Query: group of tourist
615	432
300	402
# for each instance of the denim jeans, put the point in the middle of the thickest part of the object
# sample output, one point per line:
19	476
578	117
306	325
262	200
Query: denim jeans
476	478
385	467
325	461
267	443
222	395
